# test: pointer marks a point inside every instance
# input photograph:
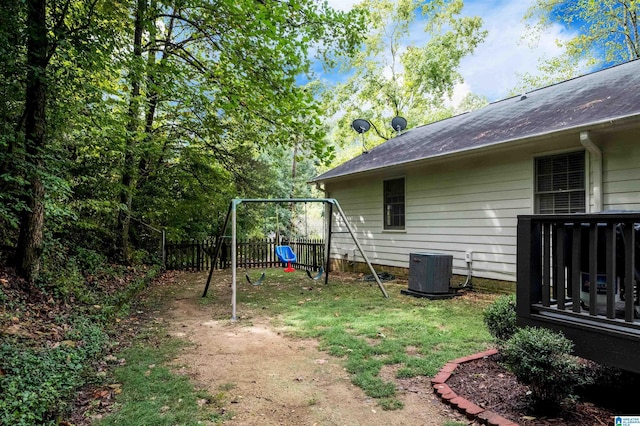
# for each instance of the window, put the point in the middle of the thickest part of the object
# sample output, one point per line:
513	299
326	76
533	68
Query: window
394	204
560	184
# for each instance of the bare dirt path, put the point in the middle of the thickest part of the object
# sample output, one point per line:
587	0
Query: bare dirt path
267	378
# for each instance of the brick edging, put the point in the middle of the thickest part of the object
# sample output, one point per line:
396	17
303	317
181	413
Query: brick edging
464	406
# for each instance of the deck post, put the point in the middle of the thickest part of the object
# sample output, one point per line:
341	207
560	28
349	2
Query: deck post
529	267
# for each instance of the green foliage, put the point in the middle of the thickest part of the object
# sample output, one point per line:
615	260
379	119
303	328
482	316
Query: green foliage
390	404
90	261
374	386
500	318
37	383
390	79
541	359
167	133
608	34
38	380
62	276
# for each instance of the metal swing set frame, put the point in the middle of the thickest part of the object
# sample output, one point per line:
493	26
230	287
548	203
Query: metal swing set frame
232	215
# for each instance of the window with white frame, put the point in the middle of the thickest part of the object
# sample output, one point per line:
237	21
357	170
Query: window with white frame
560	183
394	204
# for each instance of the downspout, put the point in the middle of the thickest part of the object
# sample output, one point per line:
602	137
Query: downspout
596	169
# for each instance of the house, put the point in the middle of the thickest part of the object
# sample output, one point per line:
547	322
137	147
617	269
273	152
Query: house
457	186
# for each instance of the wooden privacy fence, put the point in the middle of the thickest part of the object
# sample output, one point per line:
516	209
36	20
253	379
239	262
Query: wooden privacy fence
198	255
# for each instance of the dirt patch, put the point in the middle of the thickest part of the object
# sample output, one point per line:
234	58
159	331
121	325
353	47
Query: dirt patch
268	378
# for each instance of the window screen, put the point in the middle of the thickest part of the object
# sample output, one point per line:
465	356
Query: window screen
560	184
394	204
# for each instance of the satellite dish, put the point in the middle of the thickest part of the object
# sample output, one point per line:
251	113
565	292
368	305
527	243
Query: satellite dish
399	124
360	125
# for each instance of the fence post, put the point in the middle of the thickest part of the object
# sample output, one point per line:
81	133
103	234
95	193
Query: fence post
164	249
198	256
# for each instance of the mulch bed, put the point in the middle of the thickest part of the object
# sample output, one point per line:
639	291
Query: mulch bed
489	385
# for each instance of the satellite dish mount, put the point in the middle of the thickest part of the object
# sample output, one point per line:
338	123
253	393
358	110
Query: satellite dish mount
399	124
361	126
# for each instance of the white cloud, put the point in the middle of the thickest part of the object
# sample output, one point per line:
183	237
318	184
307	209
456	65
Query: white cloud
342	4
460	91
493	69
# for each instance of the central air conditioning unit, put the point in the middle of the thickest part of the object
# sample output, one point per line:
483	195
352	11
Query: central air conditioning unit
430	275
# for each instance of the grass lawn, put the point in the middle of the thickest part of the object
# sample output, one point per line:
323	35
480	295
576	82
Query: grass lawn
352	320
401	336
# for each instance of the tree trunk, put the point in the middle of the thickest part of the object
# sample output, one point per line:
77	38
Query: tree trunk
129	167
30	242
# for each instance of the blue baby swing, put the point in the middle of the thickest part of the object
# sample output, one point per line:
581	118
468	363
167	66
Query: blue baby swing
286	255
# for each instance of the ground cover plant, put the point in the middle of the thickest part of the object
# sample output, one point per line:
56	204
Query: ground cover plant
412	336
49	341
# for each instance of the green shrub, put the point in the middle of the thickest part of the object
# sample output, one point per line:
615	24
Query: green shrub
61	275
89	261
541	359
500	318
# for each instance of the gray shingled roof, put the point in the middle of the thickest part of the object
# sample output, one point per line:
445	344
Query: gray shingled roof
594	99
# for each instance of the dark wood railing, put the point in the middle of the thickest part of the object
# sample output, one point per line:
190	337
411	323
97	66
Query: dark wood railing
198	255
559	258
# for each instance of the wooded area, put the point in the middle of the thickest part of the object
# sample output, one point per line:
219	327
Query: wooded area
159	111
151	111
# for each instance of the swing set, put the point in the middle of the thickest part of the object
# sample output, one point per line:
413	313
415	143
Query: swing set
284	252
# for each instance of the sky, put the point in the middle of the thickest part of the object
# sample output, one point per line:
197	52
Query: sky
492	71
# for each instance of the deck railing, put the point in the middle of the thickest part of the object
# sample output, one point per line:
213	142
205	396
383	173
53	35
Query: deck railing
560	257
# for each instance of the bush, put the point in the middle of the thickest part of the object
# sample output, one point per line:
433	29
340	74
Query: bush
89	261
541	359
500	318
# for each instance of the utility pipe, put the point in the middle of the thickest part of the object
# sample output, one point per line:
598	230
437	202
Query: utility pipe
596	169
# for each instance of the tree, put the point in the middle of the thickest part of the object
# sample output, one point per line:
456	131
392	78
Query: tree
30	242
148	103
12	75
219	76
60	37
608	34
391	78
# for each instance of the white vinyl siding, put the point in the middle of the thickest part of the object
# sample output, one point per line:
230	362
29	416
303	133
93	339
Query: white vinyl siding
448	212
458	205
621	172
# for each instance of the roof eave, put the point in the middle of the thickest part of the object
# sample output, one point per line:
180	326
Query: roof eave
508	143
